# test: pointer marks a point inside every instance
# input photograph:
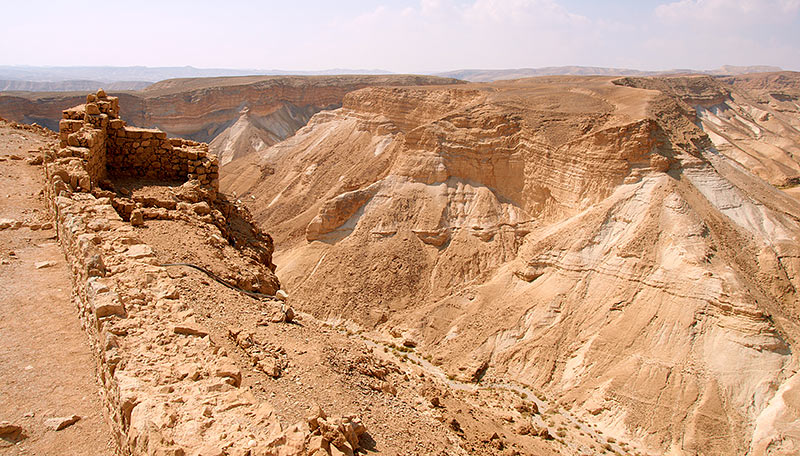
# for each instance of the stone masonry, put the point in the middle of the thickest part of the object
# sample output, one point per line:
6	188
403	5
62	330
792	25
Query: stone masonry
94	133
168	386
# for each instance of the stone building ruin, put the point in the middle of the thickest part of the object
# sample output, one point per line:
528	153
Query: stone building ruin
94	133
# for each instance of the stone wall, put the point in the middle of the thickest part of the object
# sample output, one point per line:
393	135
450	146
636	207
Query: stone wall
94	133
169	388
159	370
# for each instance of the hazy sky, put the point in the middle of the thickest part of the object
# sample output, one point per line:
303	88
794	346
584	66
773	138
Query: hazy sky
402	36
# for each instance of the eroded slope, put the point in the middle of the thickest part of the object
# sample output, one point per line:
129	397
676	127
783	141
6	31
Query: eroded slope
577	236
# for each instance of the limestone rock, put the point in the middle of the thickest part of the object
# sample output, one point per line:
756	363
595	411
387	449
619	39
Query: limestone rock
6	223
59	423
10	430
139	251
137	217
190	327
201	208
283	315
228	369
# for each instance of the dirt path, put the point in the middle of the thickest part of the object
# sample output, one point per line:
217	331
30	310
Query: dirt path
46	367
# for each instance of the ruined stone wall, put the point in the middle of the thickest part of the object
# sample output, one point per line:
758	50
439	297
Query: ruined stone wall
168	387
158	368
94	133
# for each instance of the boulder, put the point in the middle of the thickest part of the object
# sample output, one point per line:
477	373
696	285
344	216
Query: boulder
59	423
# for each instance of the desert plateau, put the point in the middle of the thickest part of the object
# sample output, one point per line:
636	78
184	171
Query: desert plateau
546	228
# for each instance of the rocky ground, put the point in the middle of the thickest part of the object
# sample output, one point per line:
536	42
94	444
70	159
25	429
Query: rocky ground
47	373
52	400
545	266
307	364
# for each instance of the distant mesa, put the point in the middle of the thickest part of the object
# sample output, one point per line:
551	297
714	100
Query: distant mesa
476	75
210	109
60	79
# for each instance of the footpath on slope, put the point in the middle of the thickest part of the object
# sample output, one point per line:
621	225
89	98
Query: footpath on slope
46	366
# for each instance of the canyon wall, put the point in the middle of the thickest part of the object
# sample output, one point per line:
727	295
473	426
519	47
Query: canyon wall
202	109
582	236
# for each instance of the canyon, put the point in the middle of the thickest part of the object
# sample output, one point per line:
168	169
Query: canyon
244	114
421	265
612	242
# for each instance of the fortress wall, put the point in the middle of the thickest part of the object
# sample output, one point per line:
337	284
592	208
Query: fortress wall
94	133
168	387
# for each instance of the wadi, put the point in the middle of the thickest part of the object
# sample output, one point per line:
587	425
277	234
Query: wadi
404	265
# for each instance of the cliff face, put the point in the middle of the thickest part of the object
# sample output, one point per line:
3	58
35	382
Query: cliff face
586	238
202	109
45	108
753	119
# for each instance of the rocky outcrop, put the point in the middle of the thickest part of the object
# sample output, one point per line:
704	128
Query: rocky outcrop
576	235
752	119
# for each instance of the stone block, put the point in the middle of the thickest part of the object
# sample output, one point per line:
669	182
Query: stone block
105	304
139	251
189	328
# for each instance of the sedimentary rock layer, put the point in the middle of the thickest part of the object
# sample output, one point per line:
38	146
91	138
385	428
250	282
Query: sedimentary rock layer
580	235
202	109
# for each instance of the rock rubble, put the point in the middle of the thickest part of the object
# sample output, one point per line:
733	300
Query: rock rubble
168	386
